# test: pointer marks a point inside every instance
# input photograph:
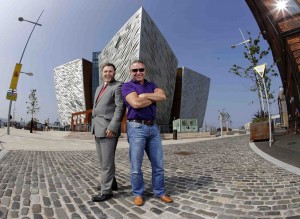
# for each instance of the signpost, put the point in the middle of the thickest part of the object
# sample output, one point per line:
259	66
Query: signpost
11	95
260	70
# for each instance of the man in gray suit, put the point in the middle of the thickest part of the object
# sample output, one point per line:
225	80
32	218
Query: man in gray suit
107	116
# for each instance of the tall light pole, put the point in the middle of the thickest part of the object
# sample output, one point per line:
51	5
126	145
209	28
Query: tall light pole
17	71
258	82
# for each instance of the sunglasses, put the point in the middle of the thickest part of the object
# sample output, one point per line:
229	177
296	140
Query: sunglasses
138	69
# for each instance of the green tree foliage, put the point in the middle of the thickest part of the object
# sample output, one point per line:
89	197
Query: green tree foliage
260	116
32	107
255	55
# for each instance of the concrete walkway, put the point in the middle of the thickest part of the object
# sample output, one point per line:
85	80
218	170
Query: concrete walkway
48	175
63	141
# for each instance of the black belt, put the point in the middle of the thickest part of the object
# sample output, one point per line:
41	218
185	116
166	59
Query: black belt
145	122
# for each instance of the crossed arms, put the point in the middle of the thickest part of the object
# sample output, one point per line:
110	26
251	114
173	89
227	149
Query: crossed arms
145	99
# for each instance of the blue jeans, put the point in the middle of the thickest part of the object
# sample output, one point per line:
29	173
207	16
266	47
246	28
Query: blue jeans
145	138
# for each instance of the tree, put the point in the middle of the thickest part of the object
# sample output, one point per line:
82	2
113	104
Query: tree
32	107
255	54
225	118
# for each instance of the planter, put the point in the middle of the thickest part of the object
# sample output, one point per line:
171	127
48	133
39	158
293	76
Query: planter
259	131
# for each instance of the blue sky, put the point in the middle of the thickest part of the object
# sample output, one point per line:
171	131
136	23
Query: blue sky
200	33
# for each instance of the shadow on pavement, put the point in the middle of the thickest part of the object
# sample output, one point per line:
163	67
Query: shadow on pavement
285	148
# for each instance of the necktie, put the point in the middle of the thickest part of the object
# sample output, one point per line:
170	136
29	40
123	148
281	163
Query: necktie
101	92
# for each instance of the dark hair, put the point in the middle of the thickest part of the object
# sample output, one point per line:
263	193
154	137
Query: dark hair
137	61
108	64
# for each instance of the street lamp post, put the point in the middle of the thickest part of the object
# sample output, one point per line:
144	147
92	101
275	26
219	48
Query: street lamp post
259	85
27	73
10	101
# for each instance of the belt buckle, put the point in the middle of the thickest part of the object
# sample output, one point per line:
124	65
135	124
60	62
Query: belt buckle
148	122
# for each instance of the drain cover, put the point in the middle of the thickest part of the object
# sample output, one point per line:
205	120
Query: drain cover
185	153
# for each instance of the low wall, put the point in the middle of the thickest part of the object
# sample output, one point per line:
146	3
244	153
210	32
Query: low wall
185	135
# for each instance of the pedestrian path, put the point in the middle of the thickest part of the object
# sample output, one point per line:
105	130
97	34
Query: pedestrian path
61	140
221	178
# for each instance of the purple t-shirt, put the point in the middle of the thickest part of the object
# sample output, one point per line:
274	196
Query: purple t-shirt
147	113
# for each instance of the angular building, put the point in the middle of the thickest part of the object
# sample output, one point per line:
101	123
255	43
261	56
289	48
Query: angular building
73	85
139	38
191	95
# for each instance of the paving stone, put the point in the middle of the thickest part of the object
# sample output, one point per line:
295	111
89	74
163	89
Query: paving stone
78	201
24	211
26	194
235	212
35	199
173	210
75	216
6	201
60	213
126	203
46	201
190	216
8	192
49	212
132	216
114	214
54	196
206	213
272	213
84	209
121	209
37	216
226	217
188	209
138	210
26	202
66	199
36	208
293	217
57	204
15	206
35	191
3	212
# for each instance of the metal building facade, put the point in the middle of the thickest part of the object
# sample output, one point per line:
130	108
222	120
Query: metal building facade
191	95
73	84
139	38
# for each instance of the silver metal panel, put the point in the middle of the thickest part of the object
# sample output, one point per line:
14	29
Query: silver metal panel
68	80
194	96
139	38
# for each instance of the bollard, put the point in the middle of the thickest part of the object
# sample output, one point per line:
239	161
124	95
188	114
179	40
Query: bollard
174	134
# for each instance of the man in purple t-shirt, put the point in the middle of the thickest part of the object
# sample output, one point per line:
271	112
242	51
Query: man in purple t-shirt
140	97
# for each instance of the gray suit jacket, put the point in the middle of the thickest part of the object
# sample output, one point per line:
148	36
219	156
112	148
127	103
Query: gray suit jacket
108	111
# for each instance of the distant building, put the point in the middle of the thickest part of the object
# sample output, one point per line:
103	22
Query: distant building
191	95
73	85
282	109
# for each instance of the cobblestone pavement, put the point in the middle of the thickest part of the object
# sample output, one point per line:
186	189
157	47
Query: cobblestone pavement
221	178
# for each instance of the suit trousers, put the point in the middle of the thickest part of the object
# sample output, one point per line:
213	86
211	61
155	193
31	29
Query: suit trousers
106	148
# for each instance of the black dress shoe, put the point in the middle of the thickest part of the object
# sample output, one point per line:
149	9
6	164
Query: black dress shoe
101	197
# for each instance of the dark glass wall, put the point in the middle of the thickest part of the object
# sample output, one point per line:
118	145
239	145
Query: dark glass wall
95	72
